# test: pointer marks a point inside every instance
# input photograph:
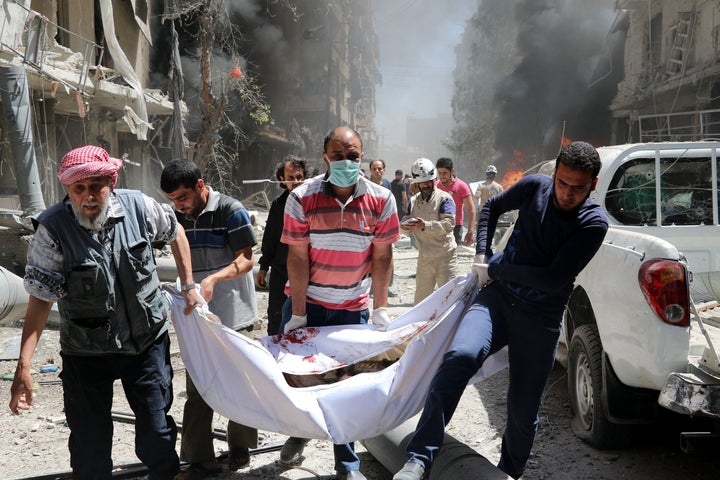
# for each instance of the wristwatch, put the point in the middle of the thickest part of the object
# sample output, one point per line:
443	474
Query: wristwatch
187	286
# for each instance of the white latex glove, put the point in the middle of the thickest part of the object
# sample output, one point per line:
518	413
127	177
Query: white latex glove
380	318
296	321
480	268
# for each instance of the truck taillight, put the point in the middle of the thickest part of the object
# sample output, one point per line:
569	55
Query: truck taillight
665	287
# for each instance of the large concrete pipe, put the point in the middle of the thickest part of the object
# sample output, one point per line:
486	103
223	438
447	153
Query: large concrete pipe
13	297
166	268
455	461
17	112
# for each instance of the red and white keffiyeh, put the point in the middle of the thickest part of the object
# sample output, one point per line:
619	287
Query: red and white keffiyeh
87	162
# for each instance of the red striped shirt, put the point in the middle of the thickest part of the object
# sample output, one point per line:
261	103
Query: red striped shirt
340	238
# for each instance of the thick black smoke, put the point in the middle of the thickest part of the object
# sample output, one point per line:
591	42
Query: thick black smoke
245	32
253	39
565	80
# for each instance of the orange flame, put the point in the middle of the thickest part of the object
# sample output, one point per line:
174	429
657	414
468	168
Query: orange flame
564	141
518	157
510	178
236	73
514	169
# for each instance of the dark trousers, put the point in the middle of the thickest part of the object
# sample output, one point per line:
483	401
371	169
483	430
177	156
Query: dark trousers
196	442
88	393
458	233
491	323
276	299
318	316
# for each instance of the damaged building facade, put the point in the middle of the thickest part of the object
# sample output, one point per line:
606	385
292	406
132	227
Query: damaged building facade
86	73
320	69
73	73
84	69
671	85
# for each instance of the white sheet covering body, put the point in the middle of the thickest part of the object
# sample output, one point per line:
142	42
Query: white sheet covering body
242	379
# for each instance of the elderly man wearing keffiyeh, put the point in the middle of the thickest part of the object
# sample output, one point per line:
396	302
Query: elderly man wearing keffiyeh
92	253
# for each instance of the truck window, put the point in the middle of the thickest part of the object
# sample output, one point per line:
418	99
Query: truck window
685	192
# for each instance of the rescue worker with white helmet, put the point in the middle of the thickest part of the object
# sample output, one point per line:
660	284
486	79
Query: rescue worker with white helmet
489	188
430	218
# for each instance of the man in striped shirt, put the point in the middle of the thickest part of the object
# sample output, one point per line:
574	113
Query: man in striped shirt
221	239
340	229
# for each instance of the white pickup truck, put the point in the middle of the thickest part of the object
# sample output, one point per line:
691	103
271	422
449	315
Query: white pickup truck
633	336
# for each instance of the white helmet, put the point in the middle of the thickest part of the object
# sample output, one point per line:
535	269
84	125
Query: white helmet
423	170
491	169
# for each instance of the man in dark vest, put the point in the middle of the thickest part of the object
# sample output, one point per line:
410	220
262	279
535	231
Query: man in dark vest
92	253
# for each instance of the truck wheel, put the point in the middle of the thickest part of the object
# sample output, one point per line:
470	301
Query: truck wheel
589	422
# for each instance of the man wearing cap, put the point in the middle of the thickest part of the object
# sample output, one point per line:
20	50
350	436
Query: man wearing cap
431	220
489	188
92	253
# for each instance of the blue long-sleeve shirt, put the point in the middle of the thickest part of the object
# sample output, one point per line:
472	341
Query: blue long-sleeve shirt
548	247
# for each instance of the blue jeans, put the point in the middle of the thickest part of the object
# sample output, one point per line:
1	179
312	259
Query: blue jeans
318	316
87	393
458	234
491	323
276	299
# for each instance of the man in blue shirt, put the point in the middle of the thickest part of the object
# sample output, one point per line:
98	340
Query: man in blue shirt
377	170
523	293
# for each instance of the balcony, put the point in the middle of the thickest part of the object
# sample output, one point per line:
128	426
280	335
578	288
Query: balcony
69	78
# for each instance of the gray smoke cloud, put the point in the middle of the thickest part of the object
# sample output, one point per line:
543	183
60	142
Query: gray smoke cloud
248	9
563	71
564	81
417	58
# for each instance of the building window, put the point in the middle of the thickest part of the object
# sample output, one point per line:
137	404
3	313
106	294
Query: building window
653	47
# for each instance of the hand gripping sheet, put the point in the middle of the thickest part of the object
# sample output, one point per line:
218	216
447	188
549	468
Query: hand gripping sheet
243	379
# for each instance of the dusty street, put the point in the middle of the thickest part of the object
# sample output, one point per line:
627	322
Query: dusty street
35	443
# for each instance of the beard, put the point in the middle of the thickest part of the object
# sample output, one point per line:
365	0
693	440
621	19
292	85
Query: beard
94	223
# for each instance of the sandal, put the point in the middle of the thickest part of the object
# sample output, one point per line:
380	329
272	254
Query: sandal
238	458
197	472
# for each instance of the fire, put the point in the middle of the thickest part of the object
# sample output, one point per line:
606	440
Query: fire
236	73
514	169
510	178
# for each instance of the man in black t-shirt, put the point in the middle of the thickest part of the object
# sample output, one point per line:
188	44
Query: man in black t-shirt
399	191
